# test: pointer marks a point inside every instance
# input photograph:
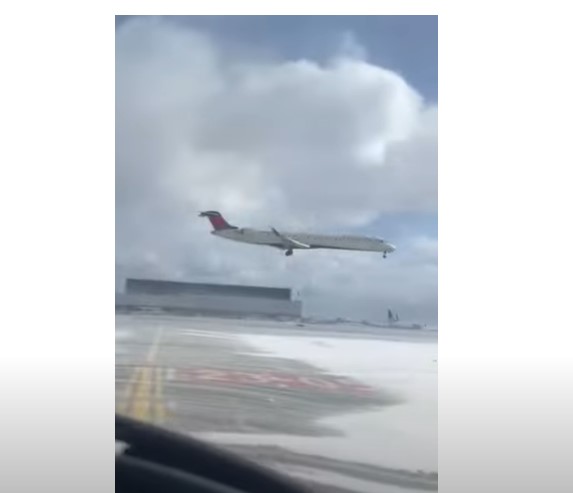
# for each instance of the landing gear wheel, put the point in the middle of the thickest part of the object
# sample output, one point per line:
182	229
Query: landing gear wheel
384	256
288	253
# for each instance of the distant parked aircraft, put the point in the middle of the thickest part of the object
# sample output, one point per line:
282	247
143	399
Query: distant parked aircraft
392	317
295	241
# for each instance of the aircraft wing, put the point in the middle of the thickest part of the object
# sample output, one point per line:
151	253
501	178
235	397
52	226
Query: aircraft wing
289	242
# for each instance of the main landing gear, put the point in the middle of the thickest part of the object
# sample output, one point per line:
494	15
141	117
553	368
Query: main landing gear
384	256
289	252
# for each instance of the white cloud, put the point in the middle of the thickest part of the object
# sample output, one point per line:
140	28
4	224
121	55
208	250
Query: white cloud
295	144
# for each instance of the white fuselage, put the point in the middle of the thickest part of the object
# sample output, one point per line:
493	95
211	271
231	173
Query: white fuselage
342	242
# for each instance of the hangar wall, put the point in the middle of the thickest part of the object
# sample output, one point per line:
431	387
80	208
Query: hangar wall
209	299
150	286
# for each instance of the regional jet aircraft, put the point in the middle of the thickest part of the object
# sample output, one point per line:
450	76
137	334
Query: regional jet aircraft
294	241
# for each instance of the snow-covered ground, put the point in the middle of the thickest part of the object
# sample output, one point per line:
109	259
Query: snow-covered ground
400	436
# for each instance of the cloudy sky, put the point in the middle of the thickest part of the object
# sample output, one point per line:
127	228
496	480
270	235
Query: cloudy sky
322	123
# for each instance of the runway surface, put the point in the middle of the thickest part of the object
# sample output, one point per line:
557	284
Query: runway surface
329	405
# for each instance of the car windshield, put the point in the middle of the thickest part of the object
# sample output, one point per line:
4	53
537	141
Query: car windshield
313	353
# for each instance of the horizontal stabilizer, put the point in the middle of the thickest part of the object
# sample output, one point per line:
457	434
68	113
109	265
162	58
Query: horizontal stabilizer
217	220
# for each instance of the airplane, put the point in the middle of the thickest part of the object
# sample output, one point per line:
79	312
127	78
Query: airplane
295	241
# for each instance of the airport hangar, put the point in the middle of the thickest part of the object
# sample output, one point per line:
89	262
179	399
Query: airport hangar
208	299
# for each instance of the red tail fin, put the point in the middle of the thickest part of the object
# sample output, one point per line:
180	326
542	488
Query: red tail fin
217	220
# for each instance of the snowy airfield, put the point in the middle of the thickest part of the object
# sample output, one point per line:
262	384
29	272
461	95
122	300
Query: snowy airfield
331	405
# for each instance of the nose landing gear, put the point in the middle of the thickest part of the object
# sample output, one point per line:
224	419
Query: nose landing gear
384	255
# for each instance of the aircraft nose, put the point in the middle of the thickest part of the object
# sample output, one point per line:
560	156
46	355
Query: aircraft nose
391	247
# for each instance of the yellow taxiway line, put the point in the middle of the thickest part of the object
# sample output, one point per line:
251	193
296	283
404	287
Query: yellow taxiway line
144	392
